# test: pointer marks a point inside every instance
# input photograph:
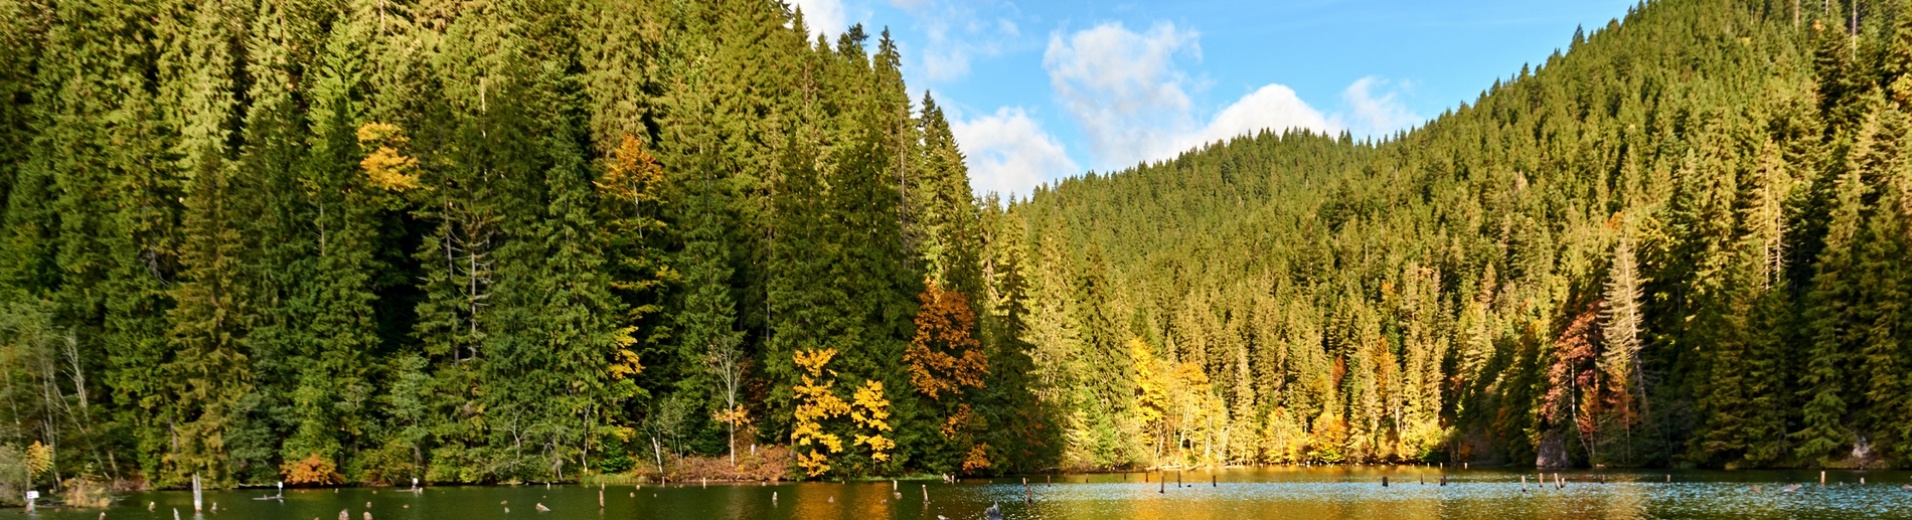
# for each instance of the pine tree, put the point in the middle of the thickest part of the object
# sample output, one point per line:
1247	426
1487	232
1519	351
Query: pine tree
1830	311
707	322
207	372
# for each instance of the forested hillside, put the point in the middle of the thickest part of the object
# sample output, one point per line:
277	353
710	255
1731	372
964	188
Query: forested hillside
1680	241
363	241
338	241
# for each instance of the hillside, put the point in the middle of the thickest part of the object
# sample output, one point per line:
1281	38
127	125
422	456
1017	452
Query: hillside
1679	241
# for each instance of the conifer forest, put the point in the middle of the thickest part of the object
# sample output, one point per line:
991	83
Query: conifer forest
494	241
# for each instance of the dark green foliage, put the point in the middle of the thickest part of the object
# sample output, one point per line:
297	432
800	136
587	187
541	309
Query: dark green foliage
464	242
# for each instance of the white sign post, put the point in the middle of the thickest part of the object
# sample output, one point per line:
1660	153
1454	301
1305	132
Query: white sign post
32	496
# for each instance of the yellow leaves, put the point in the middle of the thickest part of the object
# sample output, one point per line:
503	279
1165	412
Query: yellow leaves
39	459
632	175
813	463
880	446
977	459
812	361
815	404
1151	380
872	411
624	361
734	416
956	421
386	167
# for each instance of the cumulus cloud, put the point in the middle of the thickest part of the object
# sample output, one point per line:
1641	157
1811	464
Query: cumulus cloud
825	17
1124	87
1372	114
1272	107
1008	152
1131	94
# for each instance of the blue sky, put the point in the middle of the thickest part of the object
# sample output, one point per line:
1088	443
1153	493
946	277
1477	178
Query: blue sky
1041	90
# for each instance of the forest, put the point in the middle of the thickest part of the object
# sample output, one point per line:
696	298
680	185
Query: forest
1680	242
336	242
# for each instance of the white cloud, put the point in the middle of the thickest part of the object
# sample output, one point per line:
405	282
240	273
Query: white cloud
1124	88
1272	107
825	17
956	32
1009	153
1130	94
1375	115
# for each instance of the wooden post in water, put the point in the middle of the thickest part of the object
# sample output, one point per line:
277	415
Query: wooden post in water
196	493
1523	483
926	493
1384	481
1164	488
600	498
1212	482
1028	497
1822	480
1178	479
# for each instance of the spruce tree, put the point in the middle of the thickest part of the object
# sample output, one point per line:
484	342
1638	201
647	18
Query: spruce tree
207	372
1830	309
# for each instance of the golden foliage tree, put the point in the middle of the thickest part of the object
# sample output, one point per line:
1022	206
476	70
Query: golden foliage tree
816	402
944	357
386	165
945	360
871	411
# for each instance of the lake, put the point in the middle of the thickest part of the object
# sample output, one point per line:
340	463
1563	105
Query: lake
1294	493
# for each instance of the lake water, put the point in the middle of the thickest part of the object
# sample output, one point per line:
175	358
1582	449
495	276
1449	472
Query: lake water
1290	493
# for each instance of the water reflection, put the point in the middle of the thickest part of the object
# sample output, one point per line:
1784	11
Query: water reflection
1288	493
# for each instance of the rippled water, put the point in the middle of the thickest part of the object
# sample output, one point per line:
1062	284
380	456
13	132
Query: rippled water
1297	493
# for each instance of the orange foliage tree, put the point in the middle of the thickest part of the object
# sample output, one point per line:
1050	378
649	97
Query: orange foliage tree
944	360
311	471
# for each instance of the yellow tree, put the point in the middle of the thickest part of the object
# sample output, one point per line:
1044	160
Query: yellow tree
816	403
871	411
1152	385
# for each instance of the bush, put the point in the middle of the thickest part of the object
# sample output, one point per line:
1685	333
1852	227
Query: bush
312	471
87	493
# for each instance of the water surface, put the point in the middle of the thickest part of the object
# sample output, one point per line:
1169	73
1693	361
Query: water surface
1289	493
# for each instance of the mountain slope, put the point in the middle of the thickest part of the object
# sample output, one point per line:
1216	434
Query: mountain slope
1677	242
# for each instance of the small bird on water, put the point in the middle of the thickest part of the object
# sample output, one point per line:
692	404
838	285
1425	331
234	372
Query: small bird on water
994	512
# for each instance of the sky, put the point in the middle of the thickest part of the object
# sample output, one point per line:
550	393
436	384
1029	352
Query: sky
1038	91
